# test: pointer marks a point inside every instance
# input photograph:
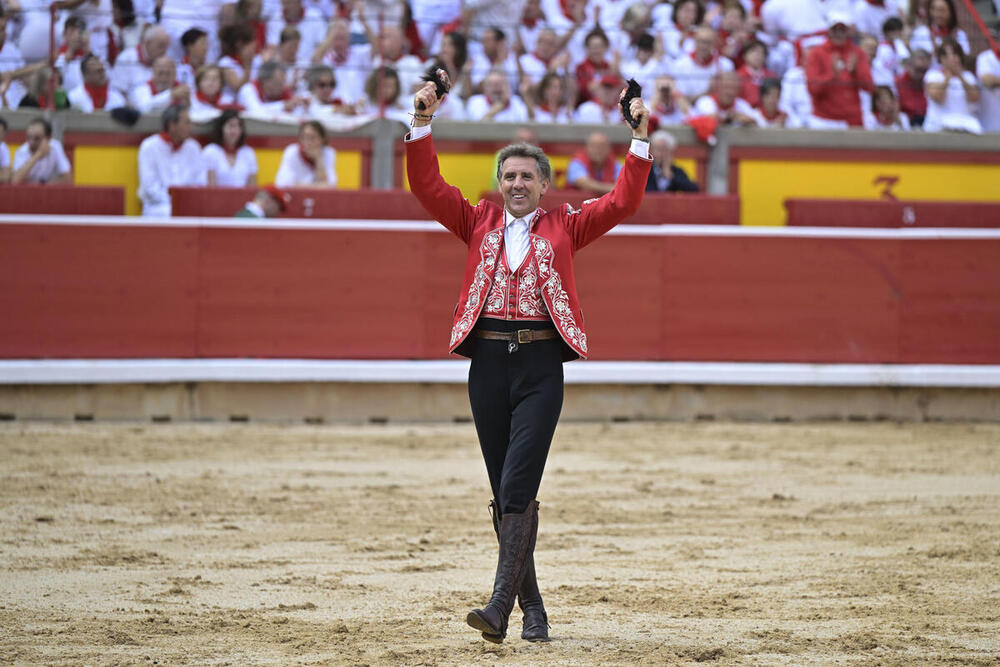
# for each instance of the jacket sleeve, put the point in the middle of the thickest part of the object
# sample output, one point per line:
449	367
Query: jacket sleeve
818	76
596	216
443	202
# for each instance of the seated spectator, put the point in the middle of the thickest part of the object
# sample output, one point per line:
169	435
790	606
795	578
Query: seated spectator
725	104
988	73
664	175
694	71
162	90
884	112
646	65
593	169
76	45
40	159
194	41
40	88
237	62
321	84
269	202
604	109
545	58
890	54
13	70
95	92
229	162
349	62
209	97
589	72
309	161
267	96
942	23
910	87
679	32
382	90
835	72
552	101
754	71
952	92
770	104
494	54
4	154
496	102
134	67
307	21
170	158
668	106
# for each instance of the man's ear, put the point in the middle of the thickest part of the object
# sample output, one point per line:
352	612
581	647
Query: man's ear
545	186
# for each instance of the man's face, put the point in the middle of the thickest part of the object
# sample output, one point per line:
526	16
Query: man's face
95	74
35	134
521	185
275	85
609	95
495	86
919	66
596	49
341	36
489	42
164	73
545	45
729	86
199	49
156	44
598	148
704	43
838	34
180	130
291	9
662	152
323	87
392	42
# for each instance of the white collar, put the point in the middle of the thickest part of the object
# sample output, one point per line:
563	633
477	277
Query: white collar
255	208
509	218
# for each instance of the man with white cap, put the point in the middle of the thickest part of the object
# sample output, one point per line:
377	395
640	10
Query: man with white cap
835	73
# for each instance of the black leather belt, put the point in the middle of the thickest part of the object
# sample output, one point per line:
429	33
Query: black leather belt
516	338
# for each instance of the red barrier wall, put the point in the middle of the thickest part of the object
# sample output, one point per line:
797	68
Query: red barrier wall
145	291
867	213
306	203
62	199
656	208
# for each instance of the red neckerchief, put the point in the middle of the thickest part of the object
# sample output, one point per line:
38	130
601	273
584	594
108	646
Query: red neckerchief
205	99
877	3
98	94
778	113
43	100
546	108
564	6
720	105
685	32
305	158
711	60
229	153
490	103
937	34
529	23
79	53
260	34
152	87
605	173
166	137
663	109
142	56
540	59
286	94
112	48
883	120
757	4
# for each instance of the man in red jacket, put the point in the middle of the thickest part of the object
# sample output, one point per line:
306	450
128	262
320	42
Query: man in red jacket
835	71
518	318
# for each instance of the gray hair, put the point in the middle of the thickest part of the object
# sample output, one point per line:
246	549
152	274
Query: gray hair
665	136
528	151
269	69
171	115
316	71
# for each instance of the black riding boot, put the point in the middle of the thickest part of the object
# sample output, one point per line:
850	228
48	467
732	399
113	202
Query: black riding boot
534	622
517	542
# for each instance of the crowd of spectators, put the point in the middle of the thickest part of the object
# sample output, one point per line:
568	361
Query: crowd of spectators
781	63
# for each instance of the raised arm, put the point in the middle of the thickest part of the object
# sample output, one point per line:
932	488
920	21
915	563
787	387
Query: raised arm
442	201
596	217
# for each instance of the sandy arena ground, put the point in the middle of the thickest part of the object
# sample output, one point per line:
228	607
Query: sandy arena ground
659	544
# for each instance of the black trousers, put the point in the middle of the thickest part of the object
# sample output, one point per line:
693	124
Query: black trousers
516	399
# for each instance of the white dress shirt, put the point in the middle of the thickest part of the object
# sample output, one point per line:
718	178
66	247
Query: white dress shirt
515	237
161	166
47	168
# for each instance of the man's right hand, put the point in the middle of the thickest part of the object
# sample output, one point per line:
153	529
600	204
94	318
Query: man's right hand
43	148
428	96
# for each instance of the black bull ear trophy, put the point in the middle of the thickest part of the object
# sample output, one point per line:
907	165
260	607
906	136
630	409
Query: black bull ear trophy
441	86
634	91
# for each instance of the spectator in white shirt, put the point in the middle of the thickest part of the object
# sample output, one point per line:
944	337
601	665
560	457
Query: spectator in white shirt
13	70
883	113
95	91
871	15
545	58
942	23
552	105
170	158
75	46
890	54
209	97
268	96
952	92
678	32
646	65
695	71
496	103
392	53
322	83
385	97
4	154
195	44
308	21
495	54
134	67
668	106
988	72
162	90
604	109
309	161
237	62
40	159
348	62
229	162
726	105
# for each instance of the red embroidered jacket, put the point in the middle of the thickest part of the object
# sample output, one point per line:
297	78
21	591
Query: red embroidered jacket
553	240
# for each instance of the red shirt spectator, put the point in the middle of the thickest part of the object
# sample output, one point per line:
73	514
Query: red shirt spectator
753	71
910	87
835	71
